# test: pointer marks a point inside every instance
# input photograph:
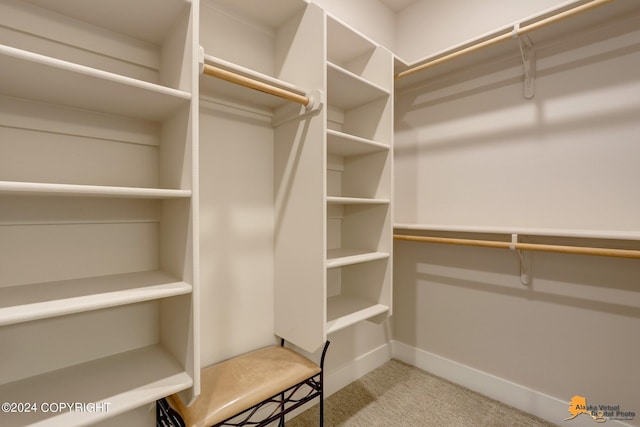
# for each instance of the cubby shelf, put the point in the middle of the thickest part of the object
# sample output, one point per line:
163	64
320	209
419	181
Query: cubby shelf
41	300
344	44
348	90
49	189
341	257
346	310
30	75
356	201
122	382
343	144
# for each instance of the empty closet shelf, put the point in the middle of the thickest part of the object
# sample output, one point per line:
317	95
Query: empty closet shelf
356	201
348	90
117	383
23	303
344	144
49	189
346	310
29	75
342	257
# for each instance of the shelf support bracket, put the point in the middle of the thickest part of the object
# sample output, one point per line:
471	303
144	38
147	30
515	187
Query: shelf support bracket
527	53
525	261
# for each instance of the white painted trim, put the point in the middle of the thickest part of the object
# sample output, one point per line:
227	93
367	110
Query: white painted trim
356	368
531	401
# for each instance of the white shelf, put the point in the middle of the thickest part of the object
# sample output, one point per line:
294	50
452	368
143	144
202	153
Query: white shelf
123	381
356	201
348	90
47	189
344	43
29	75
550	232
24	303
344	144
344	311
341	257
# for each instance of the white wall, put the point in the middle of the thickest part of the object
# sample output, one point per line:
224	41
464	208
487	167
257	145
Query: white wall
236	225
471	151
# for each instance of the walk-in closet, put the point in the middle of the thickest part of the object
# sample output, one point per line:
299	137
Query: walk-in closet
450	185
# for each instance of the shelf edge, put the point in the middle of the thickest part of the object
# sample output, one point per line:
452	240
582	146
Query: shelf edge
49	189
356	259
356	201
79	304
356	317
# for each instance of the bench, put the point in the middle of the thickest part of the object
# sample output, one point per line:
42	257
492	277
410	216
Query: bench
239	391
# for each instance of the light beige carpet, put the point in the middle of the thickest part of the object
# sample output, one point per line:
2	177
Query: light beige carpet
397	394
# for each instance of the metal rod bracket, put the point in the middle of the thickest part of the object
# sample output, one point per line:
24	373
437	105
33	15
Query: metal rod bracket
527	53
525	261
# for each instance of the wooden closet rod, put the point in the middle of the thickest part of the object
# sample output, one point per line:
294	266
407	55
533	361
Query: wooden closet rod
578	250
518	31
255	84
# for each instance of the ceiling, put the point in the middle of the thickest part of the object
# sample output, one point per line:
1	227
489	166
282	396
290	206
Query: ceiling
397	5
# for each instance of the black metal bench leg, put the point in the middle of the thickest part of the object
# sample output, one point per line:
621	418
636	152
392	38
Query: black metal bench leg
281	422
324	353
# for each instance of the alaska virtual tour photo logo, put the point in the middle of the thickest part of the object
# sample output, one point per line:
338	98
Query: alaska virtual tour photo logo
599	413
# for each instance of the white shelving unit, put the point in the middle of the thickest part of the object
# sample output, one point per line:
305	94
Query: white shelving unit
98	231
331	169
280	146
359	157
101	108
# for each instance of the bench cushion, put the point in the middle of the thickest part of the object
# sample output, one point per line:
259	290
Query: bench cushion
237	384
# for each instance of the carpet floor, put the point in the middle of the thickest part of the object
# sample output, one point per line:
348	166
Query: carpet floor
397	394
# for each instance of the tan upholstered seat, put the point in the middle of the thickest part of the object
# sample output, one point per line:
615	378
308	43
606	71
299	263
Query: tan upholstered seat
232	386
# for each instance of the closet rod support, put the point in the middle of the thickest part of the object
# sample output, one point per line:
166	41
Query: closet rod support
525	261
527	54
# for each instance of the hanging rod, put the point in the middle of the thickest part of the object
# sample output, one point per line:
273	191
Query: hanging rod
577	250
517	31
255	84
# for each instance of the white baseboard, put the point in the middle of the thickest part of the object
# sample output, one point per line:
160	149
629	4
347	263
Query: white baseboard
534	402
356	368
